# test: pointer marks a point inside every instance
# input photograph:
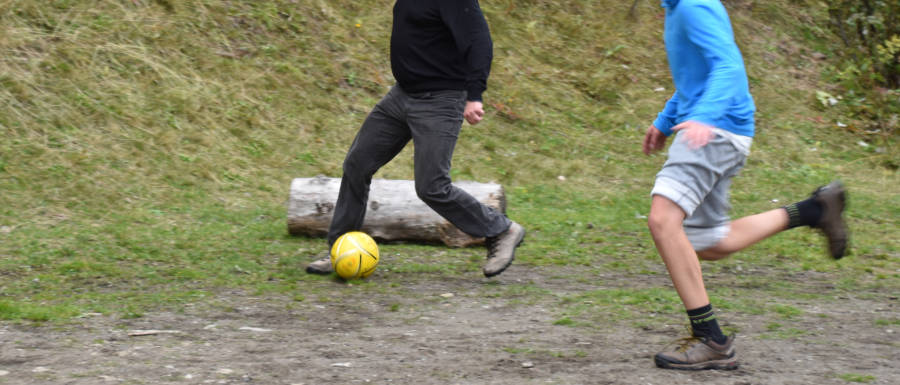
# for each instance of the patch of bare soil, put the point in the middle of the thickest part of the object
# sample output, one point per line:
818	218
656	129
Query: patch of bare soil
426	336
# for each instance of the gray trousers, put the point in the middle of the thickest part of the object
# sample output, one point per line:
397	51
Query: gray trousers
433	121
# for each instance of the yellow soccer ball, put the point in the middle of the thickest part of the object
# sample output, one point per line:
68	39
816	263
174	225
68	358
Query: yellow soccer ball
354	255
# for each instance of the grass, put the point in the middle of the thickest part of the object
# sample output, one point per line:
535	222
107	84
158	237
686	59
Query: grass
854	377
149	145
887	322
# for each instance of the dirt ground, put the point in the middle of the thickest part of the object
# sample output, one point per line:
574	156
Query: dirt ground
419	334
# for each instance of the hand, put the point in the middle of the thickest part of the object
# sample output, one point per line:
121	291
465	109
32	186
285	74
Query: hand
654	140
696	134
474	112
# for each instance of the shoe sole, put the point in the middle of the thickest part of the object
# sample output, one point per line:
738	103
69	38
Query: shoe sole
312	270
521	240
837	225
727	364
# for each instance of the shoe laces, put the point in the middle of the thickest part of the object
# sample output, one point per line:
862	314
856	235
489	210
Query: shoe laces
686	343
492	246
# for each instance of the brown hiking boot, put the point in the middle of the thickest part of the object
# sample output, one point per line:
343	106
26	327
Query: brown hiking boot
833	198
322	265
502	249
695	353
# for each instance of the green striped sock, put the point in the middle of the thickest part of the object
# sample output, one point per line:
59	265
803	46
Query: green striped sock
705	324
803	213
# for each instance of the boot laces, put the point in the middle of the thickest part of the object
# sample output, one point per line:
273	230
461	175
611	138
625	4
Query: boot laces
686	343
493	243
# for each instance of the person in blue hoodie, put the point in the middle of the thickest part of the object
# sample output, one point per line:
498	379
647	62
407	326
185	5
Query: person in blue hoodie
711	117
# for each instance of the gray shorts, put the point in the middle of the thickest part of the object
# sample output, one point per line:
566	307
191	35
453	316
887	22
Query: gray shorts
698	181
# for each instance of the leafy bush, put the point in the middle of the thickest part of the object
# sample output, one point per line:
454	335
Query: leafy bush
870	69
870	30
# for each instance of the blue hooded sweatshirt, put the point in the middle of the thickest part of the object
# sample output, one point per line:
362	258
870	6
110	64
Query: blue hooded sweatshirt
707	68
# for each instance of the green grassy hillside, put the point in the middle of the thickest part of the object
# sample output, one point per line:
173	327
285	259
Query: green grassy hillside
148	146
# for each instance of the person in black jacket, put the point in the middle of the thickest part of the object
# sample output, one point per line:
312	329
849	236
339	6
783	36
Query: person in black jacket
441	54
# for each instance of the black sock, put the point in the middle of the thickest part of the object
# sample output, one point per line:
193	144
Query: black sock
804	213
704	324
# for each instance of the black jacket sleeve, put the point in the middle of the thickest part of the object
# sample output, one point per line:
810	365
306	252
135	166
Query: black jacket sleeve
473	38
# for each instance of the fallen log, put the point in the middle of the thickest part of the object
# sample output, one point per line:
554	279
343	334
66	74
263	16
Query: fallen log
394	211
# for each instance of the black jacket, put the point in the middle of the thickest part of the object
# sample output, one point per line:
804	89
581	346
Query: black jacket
441	45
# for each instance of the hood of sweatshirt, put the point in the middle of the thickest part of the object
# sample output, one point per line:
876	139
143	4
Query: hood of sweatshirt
669	3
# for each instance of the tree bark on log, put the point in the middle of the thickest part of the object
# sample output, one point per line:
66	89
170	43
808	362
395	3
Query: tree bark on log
394	212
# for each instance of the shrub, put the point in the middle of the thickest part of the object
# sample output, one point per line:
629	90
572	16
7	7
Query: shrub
870	60
870	31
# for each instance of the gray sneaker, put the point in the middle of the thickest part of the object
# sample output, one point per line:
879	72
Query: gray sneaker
833	198
502	249
322	265
695	353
